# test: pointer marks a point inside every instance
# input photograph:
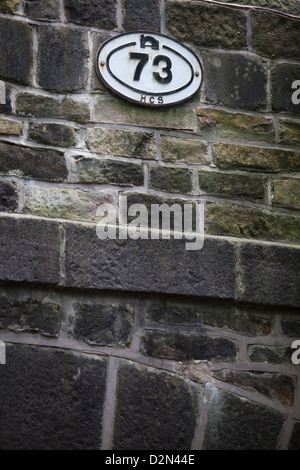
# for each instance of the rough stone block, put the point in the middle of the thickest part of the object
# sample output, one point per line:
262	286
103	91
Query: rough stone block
65	203
295	437
104	325
286	193
9	197
270	354
141	15
289	132
26	311
270	274
177	149
283	76
45	107
52	134
274	35
122	142
174	313
236	423
148	265
232	186
179	347
154	410
53	399
48	10
104	171
29	250
9	6
237	157
173	180
250	222
62	59
290	327
274	386
217	123
97	13
16	53
207	25
235	80
9	127
284	6
112	111
40	164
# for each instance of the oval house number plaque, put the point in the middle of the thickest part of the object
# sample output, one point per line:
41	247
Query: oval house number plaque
149	68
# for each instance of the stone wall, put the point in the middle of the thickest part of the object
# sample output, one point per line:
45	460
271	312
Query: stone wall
141	344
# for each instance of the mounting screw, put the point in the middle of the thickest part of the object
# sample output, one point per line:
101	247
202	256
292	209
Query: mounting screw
102	63
197	73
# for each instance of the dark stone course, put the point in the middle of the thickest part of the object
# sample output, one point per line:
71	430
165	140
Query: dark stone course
270	354
250	321
62	59
104	325
282	78
187	347
39	164
295	438
177	180
16	42
174	313
97	13
52	134
48	10
235	80
154	410
141	15
290	328
53	399
236	423
21	312
8	197
270	274
29	250
274	386
161	266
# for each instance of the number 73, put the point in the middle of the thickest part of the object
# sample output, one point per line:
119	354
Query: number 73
144	58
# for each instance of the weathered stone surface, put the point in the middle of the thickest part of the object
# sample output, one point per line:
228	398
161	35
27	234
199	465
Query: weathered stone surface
65	203
286	193
290	327
103	171
109	110
154	410
275	386
217	123
247	321
9	6
236	423
104	325
148	265
16	42
232	186
237	157
9	127
98	13
283	75
140	15
174	313
122	142
235	80
98	39
24	311
295	437
8	196
249	222
207	25
52	134
274	35
270	274
40	164
173	180
176	149
270	354
29	250
181	347
53	399
42	106
62	59
289	131
286	6
48	10
5	107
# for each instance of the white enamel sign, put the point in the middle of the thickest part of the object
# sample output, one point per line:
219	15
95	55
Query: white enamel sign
149	68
